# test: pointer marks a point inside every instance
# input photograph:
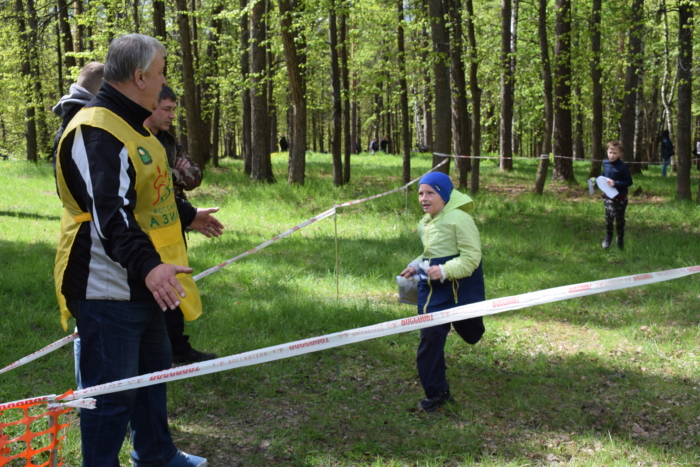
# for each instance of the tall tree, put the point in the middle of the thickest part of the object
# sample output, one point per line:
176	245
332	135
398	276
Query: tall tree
475	92
246	132
337	109
30	122
345	75
66	35
543	167
443	112
405	135
597	153
506	133
685	97
460	112
561	136
295	56
194	122
261	170
629	101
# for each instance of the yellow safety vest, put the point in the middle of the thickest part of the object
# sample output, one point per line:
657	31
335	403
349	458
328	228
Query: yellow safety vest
155	211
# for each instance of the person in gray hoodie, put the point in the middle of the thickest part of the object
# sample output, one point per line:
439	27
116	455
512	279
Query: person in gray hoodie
80	93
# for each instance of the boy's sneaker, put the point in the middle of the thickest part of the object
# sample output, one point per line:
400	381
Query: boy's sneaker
431	404
607	241
182	459
621	243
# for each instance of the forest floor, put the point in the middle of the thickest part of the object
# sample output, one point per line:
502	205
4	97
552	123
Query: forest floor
605	380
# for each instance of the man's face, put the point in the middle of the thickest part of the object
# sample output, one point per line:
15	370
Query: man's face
163	115
153	81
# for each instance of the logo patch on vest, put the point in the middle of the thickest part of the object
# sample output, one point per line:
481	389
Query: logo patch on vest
144	155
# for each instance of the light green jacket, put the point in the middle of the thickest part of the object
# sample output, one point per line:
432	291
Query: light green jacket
452	232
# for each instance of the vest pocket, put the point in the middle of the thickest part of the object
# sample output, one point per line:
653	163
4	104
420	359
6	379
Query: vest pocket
166	236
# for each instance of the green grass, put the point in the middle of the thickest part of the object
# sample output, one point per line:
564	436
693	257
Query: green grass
604	380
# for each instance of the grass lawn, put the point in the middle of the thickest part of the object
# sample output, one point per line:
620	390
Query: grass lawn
605	380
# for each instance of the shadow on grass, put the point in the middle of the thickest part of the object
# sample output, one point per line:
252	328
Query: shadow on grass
29	215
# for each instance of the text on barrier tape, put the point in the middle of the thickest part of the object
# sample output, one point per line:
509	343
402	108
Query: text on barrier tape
314	344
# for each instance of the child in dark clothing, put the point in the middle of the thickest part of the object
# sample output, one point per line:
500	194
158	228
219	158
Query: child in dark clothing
619	178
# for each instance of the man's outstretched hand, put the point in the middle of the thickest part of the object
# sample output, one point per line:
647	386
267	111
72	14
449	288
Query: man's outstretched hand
207	224
163	284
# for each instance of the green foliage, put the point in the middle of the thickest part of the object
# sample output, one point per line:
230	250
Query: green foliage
610	379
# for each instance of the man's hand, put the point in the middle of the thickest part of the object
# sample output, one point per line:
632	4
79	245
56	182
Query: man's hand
207	224
161	281
182	164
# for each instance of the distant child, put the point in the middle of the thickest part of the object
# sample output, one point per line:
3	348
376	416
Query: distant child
620	179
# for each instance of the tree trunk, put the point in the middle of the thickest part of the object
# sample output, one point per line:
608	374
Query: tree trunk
346	93
135	9
441	73
476	99
246	125
515	11
506	131
30	123
629	101
405	136
460	112
260	124
685	98
597	151
337	105
66	35
561	139
293	42
215	136
194	125
543	167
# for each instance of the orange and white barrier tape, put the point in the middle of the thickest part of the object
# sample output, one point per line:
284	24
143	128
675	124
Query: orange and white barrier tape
543	156
291	349
40	353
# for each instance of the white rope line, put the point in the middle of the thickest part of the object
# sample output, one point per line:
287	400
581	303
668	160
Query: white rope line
544	156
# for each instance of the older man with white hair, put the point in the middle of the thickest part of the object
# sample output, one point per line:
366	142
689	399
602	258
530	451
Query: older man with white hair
121	259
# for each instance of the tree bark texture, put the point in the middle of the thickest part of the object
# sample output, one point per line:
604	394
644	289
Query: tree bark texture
66	35
194	125
561	136
476	98
685	97
30	122
460	112
443	112
597	151
246	132
261	170
506	129
295	59
345	75
543	168
629	101
403	86
337	104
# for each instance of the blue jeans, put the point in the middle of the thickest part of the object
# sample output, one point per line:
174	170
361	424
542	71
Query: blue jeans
121	339
665	165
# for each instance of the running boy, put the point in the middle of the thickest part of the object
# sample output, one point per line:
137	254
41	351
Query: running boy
619	178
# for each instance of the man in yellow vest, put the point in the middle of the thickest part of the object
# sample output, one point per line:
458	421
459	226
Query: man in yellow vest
121	259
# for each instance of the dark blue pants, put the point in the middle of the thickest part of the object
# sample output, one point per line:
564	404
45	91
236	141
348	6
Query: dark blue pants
121	339
431	359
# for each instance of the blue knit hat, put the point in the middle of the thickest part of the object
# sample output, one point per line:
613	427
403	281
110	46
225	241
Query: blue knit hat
441	183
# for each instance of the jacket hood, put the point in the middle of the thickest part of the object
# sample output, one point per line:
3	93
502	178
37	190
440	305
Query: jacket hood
77	96
459	200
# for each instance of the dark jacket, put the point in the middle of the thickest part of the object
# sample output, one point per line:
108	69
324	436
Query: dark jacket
183	180
97	187
619	173
667	149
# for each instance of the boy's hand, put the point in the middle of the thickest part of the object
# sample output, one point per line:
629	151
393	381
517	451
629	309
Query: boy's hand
408	272
611	182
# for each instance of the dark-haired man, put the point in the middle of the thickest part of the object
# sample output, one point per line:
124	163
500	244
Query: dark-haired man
121	260
186	176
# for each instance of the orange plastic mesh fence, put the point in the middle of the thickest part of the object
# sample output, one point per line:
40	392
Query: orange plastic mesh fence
34	446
